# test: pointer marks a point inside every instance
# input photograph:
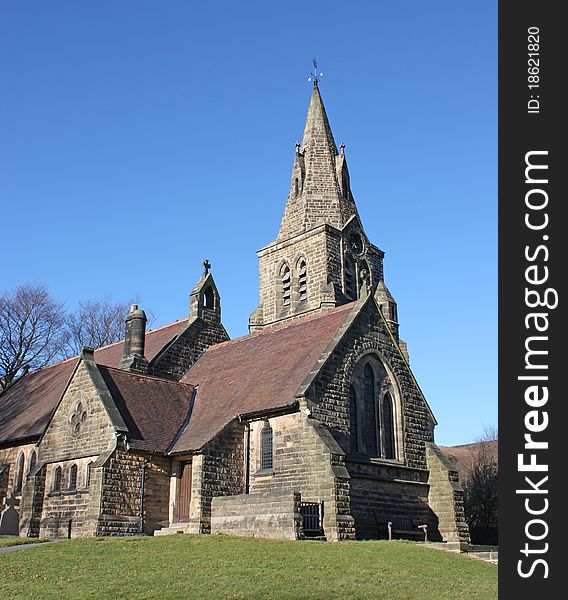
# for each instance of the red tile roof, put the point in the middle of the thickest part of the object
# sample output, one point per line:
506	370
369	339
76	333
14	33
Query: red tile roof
27	406
153	409
258	372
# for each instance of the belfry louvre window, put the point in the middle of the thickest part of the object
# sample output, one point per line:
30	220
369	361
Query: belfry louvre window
286	286
19	482
350	283
266	461
303	282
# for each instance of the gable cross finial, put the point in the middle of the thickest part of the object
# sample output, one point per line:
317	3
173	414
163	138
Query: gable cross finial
206	266
315	75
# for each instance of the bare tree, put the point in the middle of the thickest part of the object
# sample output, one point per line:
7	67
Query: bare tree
96	323
31	330
480	489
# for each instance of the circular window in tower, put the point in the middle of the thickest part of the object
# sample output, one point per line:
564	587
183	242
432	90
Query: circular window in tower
355	243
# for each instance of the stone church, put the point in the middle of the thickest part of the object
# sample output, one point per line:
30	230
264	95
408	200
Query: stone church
313	425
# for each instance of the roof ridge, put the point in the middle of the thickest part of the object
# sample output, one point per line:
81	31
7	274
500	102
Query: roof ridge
144	376
284	325
147	332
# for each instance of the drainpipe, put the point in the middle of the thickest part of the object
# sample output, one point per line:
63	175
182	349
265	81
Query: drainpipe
142	481
247	454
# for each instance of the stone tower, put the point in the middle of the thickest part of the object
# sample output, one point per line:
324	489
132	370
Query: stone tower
321	257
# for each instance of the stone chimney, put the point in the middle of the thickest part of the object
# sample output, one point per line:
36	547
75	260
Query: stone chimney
133	358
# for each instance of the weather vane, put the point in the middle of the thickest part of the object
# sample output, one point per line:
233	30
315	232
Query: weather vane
315	75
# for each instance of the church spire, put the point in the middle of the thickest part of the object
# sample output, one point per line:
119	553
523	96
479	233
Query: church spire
319	192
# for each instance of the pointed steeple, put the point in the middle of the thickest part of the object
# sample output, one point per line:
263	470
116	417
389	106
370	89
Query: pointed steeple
319	192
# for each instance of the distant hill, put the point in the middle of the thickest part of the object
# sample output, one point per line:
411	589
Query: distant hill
462	456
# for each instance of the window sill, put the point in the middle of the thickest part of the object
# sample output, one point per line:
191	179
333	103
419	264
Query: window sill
54	493
264	473
69	492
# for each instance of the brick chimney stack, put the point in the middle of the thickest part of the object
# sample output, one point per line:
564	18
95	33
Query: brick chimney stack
133	358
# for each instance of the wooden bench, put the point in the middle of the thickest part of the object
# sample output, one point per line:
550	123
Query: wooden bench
405	526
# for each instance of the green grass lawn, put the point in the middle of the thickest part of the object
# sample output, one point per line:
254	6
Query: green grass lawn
209	567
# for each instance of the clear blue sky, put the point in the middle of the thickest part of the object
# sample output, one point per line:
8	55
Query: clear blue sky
139	137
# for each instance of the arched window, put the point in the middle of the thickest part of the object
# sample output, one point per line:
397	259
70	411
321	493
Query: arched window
369	402
388	426
353	424
33	461
266	461
350	279
73	477
57	480
302	281
286	286
88	474
19	481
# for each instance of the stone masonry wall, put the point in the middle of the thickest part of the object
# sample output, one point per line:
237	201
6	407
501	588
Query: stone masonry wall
307	460
9	457
96	433
217	471
330	391
383	493
265	514
71	510
446	497
121	494
321	250
175	360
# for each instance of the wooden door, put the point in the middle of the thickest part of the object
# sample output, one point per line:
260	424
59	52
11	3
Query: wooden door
184	492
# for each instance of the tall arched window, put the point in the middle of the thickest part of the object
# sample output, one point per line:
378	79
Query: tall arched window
33	461
73	477
266	457
302	281
19	481
88	474
369	402
353	424
388	426
286	285
57	480
350	279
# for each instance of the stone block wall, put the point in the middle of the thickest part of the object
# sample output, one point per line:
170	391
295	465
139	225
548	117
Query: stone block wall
96	434
264	514
307	460
384	492
320	248
329	392
182	353
121	495
8	458
156	494
217	471
446	497
69	511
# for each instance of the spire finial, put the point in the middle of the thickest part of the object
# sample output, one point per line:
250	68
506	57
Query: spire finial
315	75
206	266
